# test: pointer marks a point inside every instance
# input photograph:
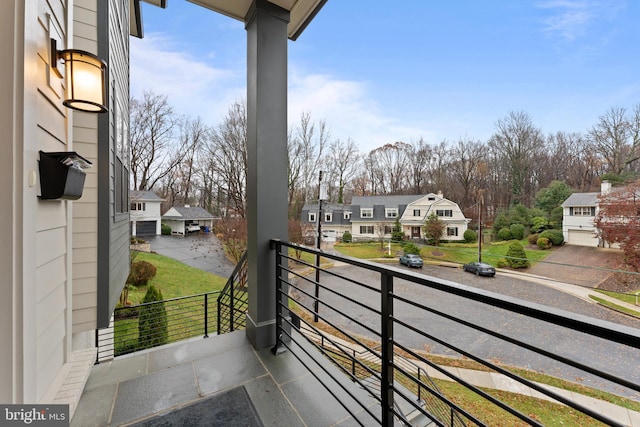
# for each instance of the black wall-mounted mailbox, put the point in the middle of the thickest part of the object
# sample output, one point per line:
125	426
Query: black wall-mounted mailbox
62	175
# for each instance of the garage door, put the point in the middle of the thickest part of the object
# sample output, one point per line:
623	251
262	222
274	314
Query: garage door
582	238
146	228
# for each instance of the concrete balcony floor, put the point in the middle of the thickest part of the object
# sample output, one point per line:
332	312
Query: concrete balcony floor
138	387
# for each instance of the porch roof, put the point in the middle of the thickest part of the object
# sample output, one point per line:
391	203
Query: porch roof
301	12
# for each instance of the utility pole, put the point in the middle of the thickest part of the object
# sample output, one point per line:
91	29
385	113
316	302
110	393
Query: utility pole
480	203
318	241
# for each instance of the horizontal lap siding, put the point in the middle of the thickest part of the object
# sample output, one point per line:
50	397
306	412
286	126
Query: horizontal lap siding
47	310
85	209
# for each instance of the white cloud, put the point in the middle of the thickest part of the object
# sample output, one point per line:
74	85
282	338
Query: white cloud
568	19
348	110
193	87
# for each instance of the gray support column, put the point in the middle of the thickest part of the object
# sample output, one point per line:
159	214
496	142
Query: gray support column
266	26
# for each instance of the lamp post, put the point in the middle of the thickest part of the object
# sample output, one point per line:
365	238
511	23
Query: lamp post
321	196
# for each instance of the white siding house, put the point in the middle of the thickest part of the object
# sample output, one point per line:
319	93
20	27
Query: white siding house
373	217
578	214
449	212
145	213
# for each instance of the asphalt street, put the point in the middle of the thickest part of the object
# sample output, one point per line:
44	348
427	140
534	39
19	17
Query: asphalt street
616	359
198	250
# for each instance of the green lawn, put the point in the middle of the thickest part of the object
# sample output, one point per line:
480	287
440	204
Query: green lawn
459	253
185	317
175	279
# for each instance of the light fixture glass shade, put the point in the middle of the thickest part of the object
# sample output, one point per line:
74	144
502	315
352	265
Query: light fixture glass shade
85	77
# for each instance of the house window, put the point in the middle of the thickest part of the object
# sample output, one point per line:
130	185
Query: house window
312	217
328	217
366	213
391	212
431	198
583	211
347	215
138	206
416	212
444	212
366	229
388	229
452	231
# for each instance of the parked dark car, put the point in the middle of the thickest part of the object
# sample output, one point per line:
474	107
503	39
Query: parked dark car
411	260
480	269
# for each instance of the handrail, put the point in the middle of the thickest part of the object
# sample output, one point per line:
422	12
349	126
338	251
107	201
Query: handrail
345	305
165	321
232	301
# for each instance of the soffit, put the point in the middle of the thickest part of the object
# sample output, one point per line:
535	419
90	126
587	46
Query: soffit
301	12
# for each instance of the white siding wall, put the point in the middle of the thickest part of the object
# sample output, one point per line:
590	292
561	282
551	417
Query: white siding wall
85	211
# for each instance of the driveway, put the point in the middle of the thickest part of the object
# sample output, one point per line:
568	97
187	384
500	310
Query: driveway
202	250
579	265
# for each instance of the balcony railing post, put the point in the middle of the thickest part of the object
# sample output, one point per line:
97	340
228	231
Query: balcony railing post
386	295
206	315
279	347
232	305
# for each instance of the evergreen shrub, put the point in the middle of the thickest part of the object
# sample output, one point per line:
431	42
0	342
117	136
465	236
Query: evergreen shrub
555	236
516	256
517	231
153	327
411	248
470	236
504	234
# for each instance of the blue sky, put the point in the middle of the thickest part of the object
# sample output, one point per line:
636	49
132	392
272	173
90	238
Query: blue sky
379	71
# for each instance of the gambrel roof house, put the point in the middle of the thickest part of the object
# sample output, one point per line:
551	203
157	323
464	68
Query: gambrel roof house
370	217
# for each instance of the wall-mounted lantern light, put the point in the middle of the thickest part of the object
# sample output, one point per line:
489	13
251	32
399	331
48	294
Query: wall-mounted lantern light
85	76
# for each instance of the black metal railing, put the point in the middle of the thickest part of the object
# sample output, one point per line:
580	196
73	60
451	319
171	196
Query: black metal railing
233	300
386	311
151	324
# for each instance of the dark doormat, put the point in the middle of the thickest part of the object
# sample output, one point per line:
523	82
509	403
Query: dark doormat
230	408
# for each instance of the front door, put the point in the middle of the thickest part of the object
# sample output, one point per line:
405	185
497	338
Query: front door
415	232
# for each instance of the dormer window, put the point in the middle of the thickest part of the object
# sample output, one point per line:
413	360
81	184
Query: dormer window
366	213
347	215
328	217
312	217
391	212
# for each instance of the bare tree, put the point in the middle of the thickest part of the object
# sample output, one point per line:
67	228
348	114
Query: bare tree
616	138
342	162
418	162
518	142
151	136
387	166
226	152
467	158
